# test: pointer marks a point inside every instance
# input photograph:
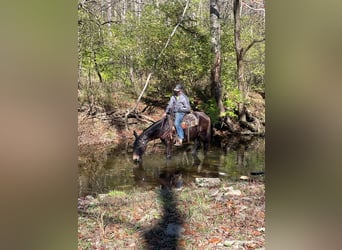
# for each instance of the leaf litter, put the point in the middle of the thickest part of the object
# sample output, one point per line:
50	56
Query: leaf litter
225	216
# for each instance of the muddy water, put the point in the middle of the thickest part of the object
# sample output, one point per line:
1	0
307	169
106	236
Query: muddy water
101	171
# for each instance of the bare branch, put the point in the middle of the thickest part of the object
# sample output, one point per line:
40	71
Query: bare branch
111	21
142	92
252	43
161	52
250	7
173	32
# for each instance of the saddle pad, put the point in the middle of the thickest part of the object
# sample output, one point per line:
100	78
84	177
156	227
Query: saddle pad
189	120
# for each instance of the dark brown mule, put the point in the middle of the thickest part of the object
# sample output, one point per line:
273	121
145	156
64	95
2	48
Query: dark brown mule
163	129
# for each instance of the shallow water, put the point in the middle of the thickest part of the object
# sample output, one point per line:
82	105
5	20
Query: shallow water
101	171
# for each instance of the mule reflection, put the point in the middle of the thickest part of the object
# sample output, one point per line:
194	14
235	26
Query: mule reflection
181	170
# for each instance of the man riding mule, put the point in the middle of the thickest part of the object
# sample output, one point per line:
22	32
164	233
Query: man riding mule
179	104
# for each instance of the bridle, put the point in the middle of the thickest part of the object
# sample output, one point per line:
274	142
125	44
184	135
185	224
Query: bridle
141	141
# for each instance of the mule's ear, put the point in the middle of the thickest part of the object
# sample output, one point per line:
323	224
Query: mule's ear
135	134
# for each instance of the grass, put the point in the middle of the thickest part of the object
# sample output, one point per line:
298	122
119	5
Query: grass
116	193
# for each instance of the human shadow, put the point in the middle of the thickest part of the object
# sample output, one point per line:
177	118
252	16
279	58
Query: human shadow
165	233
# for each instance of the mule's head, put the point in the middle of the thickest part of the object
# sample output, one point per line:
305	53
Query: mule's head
139	147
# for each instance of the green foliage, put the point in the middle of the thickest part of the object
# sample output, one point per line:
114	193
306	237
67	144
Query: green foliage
253	29
211	109
232	99
125	51
256	66
188	56
228	71
116	193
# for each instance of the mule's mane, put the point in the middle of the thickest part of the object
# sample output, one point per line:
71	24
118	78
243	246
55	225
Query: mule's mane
152	130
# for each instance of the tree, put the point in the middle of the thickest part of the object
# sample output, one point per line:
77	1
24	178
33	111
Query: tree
240	55
215	76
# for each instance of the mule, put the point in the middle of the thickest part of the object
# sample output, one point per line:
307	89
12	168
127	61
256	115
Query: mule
200	132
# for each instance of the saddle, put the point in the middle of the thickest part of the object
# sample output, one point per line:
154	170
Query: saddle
189	120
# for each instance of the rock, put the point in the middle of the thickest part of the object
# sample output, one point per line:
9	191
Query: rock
244	178
234	192
101	197
89	197
208	182
89	201
228	243
222	173
236	244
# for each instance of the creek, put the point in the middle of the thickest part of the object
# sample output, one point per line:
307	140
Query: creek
101	171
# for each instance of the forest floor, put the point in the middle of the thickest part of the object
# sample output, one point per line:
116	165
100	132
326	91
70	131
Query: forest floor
220	216
101	129
196	216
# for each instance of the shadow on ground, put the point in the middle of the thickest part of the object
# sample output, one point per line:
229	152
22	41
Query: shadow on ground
165	234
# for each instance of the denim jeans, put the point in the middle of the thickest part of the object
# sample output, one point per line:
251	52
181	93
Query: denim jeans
178	120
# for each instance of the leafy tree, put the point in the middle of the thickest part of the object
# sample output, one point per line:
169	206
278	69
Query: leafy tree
120	42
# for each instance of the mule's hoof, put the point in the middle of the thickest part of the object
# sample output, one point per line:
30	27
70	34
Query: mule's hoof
168	157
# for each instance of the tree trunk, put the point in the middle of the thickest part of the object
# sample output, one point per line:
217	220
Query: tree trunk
216	84
124	11
109	12
239	58
97	70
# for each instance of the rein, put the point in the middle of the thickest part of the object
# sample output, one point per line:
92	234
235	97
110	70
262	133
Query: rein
168	132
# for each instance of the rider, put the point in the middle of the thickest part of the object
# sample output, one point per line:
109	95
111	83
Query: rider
180	105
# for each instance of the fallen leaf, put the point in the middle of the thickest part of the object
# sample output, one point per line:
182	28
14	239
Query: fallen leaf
256	233
182	243
215	240
136	216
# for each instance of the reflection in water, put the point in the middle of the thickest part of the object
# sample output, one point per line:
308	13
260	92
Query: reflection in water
102	171
90	168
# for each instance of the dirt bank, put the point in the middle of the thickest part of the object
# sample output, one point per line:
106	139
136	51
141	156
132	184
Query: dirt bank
100	126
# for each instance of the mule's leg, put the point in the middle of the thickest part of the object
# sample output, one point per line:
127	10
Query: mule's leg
168	146
197	160
168	149
206	142
197	144
205	147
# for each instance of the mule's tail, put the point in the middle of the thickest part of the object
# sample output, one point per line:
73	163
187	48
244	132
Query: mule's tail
210	131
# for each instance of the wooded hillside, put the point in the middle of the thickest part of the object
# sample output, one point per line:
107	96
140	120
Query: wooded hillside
142	49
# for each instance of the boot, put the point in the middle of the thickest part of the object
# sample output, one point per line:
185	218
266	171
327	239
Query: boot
178	142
